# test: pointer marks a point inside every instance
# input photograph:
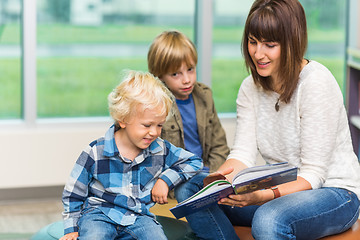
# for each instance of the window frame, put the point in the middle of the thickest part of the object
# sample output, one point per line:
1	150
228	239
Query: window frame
203	30
29	118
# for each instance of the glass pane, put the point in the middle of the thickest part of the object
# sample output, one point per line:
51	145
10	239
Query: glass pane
326	35
228	65
10	59
326	20
354	28
83	45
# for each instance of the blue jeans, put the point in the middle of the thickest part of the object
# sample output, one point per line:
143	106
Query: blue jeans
94	225
210	223
306	215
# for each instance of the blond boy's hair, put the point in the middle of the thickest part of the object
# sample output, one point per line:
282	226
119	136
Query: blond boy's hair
139	91
168	52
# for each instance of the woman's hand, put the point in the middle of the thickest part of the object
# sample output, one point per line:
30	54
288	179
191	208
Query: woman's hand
262	196
70	236
160	192
247	199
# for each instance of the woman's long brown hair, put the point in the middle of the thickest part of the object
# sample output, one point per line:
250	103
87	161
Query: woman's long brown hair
281	21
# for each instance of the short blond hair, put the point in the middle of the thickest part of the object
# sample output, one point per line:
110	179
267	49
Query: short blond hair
168	52
136	92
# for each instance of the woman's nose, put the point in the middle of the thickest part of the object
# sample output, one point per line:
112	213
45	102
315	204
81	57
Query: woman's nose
259	52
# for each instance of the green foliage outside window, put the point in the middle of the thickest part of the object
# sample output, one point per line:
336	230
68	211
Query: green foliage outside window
75	87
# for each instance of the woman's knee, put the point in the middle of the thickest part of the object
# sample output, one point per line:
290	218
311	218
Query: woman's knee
269	222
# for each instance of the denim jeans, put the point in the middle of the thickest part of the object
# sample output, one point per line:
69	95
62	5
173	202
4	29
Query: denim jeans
306	215
210	223
94	225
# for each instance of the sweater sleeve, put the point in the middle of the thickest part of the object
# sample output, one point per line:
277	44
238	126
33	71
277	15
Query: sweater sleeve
320	107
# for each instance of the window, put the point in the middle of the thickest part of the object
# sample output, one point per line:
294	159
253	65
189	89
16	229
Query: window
83	46
326	21
10	60
82	50
326	35
228	68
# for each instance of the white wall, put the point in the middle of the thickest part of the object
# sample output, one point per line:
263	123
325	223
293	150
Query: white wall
44	155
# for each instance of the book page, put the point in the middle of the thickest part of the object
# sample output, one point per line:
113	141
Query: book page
252	179
259	171
209	189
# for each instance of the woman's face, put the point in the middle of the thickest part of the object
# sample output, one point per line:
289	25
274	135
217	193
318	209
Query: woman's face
266	56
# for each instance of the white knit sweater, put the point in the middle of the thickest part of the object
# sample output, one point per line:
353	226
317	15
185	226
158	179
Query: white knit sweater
310	132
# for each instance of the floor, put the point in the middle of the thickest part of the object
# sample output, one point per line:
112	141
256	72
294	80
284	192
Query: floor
19	220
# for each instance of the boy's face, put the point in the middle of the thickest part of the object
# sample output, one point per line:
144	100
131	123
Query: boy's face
142	129
181	83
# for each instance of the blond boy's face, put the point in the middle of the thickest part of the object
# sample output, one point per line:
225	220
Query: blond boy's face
142	129
181	83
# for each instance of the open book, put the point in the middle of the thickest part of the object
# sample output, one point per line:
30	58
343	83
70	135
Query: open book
247	180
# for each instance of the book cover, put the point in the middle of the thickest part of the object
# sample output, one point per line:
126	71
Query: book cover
247	180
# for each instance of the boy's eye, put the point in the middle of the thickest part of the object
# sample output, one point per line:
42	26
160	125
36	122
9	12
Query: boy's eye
146	125
190	69
174	74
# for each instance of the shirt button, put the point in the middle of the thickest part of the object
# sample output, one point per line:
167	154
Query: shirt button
139	210
132	215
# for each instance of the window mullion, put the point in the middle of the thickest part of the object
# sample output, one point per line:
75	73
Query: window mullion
203	39
29	99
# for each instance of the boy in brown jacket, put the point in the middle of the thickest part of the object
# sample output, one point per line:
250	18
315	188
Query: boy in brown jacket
195	126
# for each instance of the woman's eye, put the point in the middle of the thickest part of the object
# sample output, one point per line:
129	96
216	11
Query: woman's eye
271	44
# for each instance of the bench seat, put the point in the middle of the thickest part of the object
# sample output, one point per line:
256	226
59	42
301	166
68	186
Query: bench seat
353	233
180	230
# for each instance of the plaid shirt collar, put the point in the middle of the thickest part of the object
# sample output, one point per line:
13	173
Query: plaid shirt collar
111	150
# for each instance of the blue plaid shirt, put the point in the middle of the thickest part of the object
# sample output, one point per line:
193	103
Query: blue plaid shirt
121	188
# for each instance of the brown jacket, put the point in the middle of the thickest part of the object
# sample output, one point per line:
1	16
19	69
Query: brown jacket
211	133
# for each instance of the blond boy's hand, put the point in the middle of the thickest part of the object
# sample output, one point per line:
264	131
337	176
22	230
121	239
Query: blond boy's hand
160	192
70	236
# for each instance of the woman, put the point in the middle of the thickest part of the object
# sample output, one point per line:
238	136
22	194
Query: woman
289	109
